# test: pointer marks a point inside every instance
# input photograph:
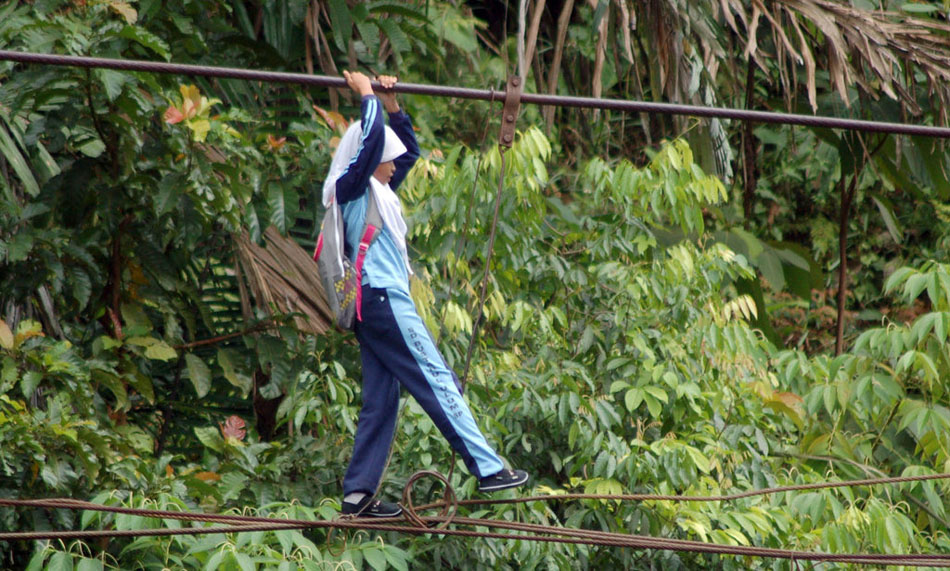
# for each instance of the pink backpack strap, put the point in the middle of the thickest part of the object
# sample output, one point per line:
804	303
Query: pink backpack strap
369	234
316	252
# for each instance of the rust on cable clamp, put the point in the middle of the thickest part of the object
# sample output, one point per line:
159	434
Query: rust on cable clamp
509	115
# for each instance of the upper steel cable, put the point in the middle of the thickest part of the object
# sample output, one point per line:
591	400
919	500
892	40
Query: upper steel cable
485	94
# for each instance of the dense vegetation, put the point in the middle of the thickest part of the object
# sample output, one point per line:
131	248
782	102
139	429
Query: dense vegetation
664	310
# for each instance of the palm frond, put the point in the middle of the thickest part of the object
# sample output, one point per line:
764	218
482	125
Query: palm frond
873	51
282	279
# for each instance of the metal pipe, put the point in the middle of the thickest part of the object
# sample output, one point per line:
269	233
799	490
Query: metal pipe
485	94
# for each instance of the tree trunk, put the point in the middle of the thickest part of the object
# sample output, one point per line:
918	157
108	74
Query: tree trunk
312	25
563	20
265	410
749	152
843	216
531	45
600	54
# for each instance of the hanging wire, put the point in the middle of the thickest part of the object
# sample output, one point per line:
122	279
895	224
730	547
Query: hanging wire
488	257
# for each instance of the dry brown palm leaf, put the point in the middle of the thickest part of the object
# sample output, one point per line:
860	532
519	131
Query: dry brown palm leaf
873	51
282	278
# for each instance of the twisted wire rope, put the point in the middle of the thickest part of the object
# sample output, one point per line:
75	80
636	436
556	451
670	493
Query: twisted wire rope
482	94
415	524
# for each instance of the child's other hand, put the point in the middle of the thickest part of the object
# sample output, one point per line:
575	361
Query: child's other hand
358	82
386	95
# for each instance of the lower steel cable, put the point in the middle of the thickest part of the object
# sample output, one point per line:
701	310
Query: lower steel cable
417	525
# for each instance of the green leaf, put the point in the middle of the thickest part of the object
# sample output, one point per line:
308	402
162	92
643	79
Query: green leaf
215	562
771	267
142	384
886	209
920	8
210	437
17	160
244	561
286	540
6	335
397	38
230	361
657	393
895	535
146	38
914	285
199	128
396	557
375	558
342	23
82	286
199	374
60	561
86	564
29	381
170	189
89	144
699	459
278	207
115	386
19	247
654	406
140	440
160	351
897	278
133	316
633	398
112	81
253	223
368	33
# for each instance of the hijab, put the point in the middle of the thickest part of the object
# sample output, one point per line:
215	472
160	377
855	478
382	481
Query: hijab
390	208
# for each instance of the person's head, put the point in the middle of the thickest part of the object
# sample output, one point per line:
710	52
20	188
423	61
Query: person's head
347	149
384	172
391	151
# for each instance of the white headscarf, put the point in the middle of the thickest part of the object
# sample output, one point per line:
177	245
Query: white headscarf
390	209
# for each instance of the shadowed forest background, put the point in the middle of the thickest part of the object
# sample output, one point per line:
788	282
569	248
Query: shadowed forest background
675	305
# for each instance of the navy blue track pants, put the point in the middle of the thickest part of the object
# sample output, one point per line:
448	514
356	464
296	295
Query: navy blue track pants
395	348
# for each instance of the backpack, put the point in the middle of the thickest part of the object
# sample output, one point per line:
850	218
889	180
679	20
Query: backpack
342	278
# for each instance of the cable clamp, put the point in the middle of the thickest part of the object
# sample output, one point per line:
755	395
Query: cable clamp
509	115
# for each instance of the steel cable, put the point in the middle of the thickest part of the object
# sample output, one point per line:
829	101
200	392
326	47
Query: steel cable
632	106
415	524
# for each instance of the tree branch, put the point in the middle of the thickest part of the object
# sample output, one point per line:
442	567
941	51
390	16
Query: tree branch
221	338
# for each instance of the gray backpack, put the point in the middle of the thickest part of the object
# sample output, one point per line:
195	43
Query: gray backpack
342	278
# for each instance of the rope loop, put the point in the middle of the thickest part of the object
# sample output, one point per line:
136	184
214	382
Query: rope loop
344	532
449	503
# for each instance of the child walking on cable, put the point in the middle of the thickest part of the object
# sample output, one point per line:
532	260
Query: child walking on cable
395	346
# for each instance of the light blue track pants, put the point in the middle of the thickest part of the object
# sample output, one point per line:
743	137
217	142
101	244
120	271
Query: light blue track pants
395	348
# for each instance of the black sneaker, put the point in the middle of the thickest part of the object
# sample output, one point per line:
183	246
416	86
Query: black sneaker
503	480
368	507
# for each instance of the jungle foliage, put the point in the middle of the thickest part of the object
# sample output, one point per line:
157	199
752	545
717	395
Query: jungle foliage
663	312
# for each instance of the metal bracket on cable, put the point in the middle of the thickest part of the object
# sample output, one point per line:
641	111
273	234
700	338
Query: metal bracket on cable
509	115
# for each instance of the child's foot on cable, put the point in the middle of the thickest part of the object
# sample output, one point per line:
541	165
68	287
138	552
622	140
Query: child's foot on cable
503	480
368	507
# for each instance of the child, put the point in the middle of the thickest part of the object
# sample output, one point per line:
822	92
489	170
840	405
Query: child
395	346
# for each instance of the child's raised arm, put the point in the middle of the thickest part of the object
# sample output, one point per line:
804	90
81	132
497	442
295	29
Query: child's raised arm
352	183
401	124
